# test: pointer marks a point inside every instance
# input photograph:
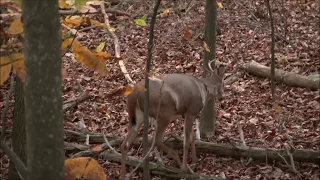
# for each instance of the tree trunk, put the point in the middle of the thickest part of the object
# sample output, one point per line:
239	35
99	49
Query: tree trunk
18	130
208	119
43	92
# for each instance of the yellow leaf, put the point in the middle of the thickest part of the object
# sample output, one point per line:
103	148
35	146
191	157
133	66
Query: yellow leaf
112	29
86	57
103	55
206	47
219	4
16	27
5	68
64	5
66	43
100	47
140	22
277	108
165	12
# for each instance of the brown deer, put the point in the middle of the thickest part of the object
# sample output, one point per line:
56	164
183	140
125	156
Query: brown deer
171	96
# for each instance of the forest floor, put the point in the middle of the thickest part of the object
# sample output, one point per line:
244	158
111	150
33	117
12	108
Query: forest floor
243	35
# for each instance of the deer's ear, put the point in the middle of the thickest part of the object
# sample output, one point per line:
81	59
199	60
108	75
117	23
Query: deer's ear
220	71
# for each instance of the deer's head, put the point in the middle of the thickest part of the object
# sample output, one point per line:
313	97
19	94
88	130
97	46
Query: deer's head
214	81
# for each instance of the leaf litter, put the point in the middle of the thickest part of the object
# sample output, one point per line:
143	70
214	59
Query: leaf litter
243	35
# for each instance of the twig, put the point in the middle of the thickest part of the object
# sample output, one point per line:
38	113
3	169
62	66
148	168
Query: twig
116	45
272	52
72	103
108	144
21	168
284	159
241	134
291	160
6	107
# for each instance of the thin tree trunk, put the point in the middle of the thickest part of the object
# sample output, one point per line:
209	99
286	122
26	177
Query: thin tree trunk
208	119
18	130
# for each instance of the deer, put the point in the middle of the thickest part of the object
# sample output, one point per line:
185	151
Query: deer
171	96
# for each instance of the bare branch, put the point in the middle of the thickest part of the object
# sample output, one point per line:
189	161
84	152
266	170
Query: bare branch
116	45
272	52
21	168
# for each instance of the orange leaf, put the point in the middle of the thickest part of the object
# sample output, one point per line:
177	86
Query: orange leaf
96	148
86	57
165	12
187	32
5	68
98	23
206	47
73	21
141	88
83	167
103	55
121	91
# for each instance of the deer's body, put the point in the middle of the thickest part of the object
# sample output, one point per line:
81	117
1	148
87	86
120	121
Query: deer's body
176	96
171	96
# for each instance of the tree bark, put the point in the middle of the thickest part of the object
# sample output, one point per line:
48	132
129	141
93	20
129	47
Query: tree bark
43	92
208	117
18	130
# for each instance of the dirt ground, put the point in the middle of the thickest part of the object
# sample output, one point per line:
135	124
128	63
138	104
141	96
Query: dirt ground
243	35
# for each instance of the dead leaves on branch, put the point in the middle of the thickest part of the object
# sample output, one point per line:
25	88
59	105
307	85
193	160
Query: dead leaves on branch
15	61
78	21
93	60
84	168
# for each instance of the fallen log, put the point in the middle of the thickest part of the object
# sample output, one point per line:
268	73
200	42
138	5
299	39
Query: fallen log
288	78
259	154
157	169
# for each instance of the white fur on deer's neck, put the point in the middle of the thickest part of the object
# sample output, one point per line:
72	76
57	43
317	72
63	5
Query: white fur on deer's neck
203	92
